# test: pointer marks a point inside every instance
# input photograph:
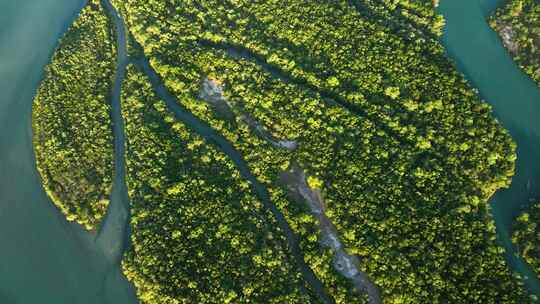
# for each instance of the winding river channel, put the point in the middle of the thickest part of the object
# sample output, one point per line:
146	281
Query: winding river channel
44	257
480	55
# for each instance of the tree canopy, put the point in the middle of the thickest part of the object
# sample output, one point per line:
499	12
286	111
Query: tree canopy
71	119
401	148
518	23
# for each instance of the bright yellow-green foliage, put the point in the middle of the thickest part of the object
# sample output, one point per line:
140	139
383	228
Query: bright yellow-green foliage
71	121
407	152
526	236
314	182
518	22
199	234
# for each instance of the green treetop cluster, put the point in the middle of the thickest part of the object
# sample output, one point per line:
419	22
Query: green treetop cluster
526	236
409	18
71	121
407	153
199	233
518	23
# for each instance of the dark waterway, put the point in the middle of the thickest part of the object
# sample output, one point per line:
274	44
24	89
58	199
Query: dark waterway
481	56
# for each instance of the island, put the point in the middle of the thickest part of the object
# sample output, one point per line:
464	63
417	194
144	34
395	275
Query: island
71	119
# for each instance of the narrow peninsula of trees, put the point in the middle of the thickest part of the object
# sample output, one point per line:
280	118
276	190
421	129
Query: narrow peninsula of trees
71	119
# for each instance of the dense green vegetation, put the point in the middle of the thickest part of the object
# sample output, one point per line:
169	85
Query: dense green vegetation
71	121
199	234
526	236
404	152
407	153
518	22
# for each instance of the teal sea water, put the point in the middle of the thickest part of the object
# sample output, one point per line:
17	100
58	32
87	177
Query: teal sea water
515	98
43	258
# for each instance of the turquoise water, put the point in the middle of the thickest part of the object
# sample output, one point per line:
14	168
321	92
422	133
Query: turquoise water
515	98
43	258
